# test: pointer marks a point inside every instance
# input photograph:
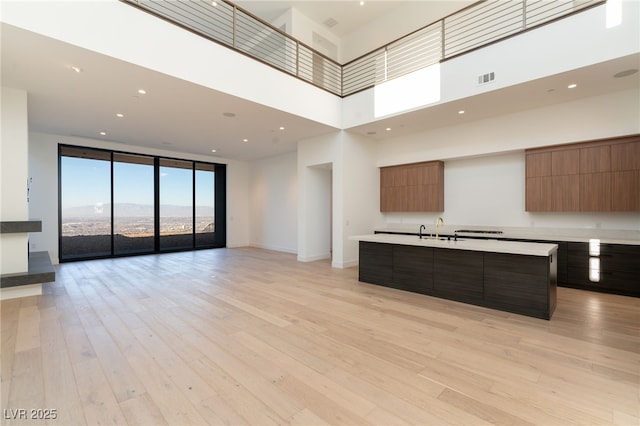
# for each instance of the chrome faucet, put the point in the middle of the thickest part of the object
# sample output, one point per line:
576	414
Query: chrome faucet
420	231
439	222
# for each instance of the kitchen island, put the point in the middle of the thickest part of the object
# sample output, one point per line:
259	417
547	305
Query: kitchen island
519	277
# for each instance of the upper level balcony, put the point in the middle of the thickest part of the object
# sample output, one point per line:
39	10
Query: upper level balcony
476	26
198	72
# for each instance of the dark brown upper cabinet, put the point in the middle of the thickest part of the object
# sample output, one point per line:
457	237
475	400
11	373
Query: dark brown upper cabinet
595	176
417	187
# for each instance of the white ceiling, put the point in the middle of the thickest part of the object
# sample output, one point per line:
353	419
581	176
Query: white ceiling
174	114
181	116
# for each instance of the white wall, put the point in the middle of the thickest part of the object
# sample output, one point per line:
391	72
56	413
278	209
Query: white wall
354	195
145	40
484	162
395	24
43	168
578	41
489	191
321	151
361	194
613	114
303	29
13	178
273	212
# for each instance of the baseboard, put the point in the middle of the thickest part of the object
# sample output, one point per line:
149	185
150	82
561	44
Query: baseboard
237	245
344	265
21	291
274	248
314	258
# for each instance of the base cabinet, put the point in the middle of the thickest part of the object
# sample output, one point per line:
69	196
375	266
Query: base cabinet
413	269
376	263
514	283
458	275
611	268
523	284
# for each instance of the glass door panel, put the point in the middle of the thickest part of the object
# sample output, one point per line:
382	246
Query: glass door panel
85	208
205	205
133	204
176	204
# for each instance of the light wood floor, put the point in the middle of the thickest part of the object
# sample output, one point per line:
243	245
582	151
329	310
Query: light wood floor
248	336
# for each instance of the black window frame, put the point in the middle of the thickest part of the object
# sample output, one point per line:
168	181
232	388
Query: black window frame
220	202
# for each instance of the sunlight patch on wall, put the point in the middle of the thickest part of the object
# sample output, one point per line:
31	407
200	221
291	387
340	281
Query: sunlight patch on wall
410	91
614	13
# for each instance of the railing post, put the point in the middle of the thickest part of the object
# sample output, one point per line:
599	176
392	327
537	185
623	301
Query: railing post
297	58
442	43
233	30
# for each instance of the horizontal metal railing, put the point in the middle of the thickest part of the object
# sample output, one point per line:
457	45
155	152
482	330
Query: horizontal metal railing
478	25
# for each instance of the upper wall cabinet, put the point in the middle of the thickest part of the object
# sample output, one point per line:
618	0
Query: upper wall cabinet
601	175
417	187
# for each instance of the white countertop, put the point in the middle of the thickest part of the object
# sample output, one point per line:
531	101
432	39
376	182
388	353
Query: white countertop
511	247
580	235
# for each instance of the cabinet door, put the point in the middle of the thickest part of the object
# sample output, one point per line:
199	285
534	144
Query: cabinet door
566	162
625	156
625	191
595	192
413	269
393	189
620	268
393	176
562	261
565	193
538	164
538	194
615	269
517	283
393	199
595	159
412	188
457	275
376	263
578	265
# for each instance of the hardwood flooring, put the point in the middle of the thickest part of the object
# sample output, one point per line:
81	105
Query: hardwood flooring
248	336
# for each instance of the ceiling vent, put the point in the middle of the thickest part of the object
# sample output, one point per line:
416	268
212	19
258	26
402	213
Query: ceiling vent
486	78
330	22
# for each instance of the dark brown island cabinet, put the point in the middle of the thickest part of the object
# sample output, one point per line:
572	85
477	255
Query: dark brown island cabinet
519	283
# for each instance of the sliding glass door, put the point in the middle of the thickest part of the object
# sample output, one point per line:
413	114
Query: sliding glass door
133	204
176	204
205	204
115	204
85	210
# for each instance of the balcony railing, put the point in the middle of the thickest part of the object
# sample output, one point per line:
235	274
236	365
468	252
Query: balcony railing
478	25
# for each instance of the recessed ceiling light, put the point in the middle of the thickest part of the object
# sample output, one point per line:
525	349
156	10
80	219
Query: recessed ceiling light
214	3
142	91
103	133
213	150
229	114
572	86
461	111
281	127
245	140
119	115
625	73
76	69
388	129
361	3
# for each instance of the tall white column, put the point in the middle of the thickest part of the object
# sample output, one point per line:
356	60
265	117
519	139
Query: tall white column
14	171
